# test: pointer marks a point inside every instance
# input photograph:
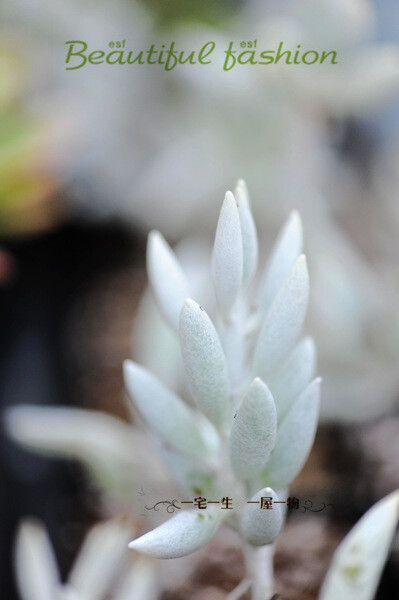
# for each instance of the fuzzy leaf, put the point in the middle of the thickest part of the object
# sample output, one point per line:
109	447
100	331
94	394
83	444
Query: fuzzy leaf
228	254
261	526
254	431
248	232
294	376
286	251
294	438
104	545
181	535
358	562
283	322
166	414
193	476
107	446
36	569
163	359
140	582
205	364
235	348
167	280
71	432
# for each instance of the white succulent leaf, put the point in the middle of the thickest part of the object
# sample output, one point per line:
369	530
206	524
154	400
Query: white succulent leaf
357	564
295	374
163	358
205	364
194	254
107	446
234	344
141	581
193	476
261	526
283	322
70	431
295	438
254	430
167	280
183	534
285	252
228	258
100	560
167	415
248	232
36	570
67	593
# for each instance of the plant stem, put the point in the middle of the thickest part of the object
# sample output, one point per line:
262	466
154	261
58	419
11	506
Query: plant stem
259	565
240	590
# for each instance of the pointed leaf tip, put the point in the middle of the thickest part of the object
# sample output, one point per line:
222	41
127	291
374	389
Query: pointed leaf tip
205	364
181	535
358	562
261	526
285	252
248	232
296	373
167	279
283	322
36	568
295	438
241	192
105	545
166	414
228	254
254	431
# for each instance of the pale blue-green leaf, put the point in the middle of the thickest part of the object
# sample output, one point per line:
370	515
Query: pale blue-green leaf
36	569
358	562
166	414
107	446
294	376
71	432
166	277
193	476
184	533
163	358
205	364
285	252
228	254
254	431
141	582
261	526
248	232
295	438
105	545
235	345
68	593
283	322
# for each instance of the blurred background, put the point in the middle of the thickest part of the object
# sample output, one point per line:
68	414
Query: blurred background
92	159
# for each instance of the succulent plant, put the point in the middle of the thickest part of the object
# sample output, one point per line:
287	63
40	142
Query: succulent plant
357	564
254	403
102	560
354	572
234	445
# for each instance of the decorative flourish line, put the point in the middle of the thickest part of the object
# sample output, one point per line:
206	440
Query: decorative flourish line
170	508
309	504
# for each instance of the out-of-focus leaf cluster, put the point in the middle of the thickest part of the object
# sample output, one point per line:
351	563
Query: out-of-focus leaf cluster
26	187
